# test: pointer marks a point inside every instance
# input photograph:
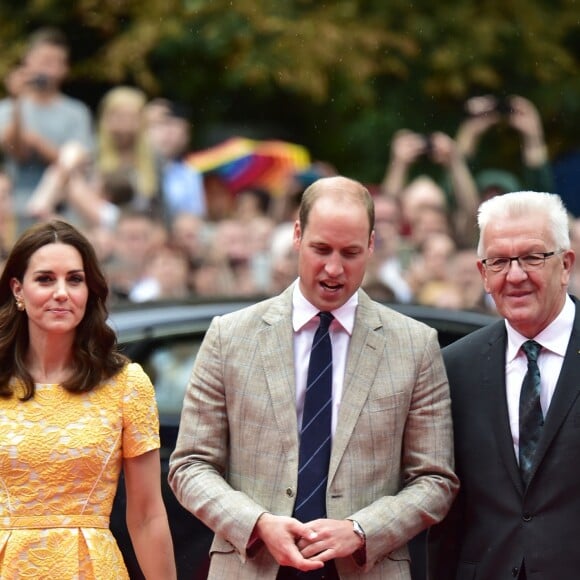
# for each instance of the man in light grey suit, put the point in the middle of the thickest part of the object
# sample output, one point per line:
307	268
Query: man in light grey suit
390	476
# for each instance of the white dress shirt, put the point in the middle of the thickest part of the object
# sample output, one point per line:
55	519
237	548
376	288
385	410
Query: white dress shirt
554	340
305	322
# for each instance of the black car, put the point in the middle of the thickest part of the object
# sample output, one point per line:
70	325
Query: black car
164	337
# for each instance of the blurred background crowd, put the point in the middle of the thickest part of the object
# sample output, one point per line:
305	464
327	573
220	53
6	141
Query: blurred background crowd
172	220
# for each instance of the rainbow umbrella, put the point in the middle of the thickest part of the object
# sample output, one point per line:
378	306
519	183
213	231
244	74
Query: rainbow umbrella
243	163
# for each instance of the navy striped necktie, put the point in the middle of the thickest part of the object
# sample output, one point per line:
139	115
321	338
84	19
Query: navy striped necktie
315	435
531	417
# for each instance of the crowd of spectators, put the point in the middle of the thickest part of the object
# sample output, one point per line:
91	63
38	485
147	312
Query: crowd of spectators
163	230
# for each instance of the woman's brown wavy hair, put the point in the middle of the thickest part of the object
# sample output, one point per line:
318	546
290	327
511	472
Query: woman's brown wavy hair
95	356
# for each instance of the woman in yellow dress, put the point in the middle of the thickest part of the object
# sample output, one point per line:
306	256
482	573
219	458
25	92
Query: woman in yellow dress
73	413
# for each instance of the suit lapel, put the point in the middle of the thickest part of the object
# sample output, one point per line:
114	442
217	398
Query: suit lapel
276	348
493	365
565	394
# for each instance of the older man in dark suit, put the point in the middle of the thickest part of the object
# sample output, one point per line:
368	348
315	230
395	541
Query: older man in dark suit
516	409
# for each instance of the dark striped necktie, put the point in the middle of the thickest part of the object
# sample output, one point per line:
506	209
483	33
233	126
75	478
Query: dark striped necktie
315	435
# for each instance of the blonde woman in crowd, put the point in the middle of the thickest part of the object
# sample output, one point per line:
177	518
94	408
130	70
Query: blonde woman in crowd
122	141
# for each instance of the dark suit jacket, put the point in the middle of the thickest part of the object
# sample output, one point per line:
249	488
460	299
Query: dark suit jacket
494	523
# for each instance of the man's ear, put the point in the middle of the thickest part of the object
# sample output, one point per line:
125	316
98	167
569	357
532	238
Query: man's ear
483	273
297	235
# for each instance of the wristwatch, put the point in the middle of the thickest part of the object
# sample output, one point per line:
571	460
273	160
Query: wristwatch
360	555
357	529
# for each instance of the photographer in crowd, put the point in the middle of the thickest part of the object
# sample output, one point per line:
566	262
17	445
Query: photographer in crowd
37	119
514	113
408	149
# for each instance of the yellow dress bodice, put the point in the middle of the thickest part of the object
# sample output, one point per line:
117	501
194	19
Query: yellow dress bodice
61	455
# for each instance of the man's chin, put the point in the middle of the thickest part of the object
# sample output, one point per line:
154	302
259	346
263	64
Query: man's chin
520	317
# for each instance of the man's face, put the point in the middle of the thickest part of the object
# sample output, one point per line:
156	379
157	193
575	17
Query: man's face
134	240
333	251
49	61
387	226
530	301
170	136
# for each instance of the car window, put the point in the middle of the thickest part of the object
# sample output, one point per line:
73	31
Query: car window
170	368
168	362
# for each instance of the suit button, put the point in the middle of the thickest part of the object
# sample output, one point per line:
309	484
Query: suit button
527	517
289	492
515	572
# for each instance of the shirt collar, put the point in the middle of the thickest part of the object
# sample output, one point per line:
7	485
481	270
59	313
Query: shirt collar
303	311
554	337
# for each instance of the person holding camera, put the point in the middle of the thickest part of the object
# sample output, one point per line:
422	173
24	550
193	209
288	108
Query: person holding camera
460	202
36	118
513	112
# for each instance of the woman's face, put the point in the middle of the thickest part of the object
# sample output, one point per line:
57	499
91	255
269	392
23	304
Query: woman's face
123	122
53	290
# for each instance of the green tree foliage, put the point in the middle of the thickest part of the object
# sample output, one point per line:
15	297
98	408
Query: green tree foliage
339	76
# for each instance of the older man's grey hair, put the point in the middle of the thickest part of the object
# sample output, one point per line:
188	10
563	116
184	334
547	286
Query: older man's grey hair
525	204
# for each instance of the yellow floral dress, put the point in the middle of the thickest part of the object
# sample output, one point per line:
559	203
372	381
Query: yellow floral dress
61	455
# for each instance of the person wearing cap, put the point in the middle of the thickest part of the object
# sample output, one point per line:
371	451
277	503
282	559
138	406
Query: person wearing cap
492	182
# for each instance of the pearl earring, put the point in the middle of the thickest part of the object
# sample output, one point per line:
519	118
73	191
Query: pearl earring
20	304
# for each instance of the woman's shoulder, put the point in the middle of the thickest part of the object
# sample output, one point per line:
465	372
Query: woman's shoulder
133	378
133	370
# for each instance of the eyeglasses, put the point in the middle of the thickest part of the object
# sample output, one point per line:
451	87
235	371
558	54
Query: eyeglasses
528	263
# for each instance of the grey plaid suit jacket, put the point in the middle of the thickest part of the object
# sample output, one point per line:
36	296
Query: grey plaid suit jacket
237	450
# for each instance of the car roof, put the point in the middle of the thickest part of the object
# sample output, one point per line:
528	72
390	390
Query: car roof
153	319
134	322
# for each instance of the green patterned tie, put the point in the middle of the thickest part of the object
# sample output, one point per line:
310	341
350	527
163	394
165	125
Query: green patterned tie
531	417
